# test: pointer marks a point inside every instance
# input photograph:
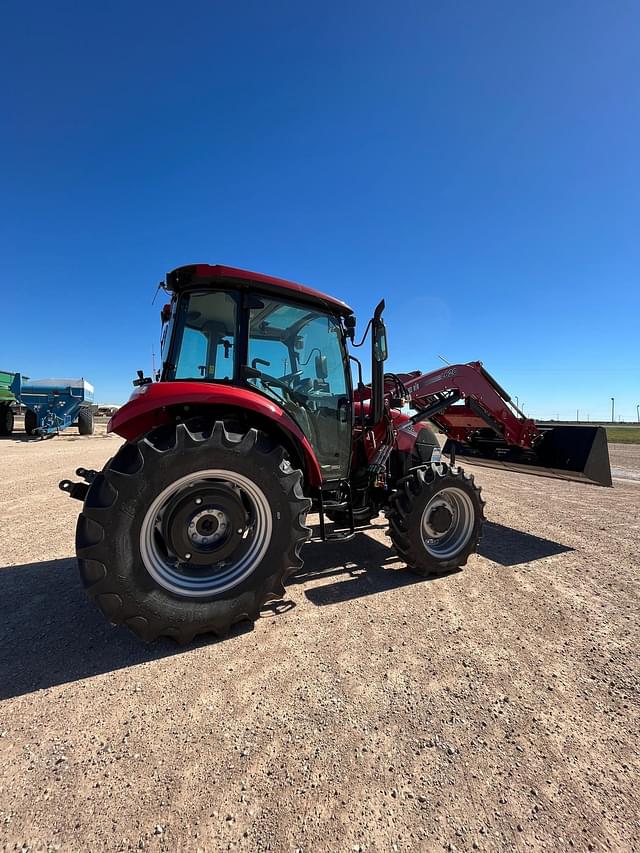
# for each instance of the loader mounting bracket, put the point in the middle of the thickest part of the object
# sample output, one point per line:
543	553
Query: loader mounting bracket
74	490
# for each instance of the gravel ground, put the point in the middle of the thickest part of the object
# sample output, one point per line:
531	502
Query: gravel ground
625	461
493	709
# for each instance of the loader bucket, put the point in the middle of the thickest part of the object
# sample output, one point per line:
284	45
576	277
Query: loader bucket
577	453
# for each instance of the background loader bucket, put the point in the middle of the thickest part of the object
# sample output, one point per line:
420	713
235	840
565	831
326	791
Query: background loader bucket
577	453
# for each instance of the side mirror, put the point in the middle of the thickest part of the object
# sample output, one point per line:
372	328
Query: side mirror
165	314
141	380
350	326
380	351
322	371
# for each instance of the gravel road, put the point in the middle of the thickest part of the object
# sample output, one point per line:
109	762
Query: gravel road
493	709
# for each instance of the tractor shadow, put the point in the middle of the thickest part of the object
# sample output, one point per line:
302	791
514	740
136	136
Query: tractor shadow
52	634
360	567
364	566
510	547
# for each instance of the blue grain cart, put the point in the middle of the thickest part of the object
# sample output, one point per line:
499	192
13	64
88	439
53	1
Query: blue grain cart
53	405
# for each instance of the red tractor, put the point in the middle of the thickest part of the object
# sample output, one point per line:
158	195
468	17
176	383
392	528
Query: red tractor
253	422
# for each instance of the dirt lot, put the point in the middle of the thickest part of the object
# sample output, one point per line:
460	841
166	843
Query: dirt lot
496	708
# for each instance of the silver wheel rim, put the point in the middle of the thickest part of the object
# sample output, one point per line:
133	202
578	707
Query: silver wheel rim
172	574
444	546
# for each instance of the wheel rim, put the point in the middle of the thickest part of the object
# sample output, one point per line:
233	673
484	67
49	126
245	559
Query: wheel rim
206	533
447	523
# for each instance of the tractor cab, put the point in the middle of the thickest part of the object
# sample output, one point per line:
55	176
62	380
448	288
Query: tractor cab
280	340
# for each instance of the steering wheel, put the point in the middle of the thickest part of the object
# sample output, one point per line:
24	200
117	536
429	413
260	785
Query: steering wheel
298	399
289	376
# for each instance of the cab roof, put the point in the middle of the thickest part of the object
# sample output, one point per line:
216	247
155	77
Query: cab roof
207	275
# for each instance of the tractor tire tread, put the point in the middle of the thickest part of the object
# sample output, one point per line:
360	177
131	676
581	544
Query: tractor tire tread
113	494
404	516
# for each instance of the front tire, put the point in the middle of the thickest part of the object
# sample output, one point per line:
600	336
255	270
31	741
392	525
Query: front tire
435	518
191	529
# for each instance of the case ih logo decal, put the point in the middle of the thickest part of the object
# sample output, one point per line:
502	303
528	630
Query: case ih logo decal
446	374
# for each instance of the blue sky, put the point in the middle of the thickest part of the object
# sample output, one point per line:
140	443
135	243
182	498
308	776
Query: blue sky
474	163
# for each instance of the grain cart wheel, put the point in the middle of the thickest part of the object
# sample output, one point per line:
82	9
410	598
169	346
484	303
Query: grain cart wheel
435	518
6	419
30	422
191	529
85	421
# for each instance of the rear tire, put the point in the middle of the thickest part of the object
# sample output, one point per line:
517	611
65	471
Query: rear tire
6	419
435	518
30	422
184	487
85	422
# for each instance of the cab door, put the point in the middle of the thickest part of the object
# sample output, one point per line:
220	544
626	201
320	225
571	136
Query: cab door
326	382
300	348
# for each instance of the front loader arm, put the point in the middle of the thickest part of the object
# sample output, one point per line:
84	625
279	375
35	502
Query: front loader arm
485	404
481	422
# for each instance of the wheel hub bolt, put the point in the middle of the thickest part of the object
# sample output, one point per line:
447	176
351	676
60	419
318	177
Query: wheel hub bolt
187	556
198	501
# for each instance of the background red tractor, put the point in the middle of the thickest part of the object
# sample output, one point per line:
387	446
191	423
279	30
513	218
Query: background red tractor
200	517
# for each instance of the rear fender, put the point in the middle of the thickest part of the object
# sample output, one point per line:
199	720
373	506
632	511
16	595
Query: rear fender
151	406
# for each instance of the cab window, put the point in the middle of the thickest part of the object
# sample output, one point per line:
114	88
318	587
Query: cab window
206	338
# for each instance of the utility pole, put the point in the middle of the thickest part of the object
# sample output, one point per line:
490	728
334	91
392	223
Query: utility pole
638	411
577	415
613	405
